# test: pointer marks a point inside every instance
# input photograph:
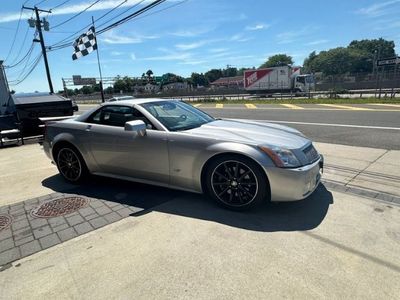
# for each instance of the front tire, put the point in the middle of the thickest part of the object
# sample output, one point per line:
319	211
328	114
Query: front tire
236	182
71	165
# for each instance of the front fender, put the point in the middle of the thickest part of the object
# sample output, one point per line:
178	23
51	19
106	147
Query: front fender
214	150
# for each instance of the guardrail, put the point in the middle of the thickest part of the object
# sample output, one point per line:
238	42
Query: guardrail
370	93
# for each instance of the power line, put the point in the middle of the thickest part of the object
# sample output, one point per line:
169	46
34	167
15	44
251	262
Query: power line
25	66
61	4
73	35
22	45
55	47
32	68
131	16
76	15
59	46
163	9
15	35
23	58
125	11
37	4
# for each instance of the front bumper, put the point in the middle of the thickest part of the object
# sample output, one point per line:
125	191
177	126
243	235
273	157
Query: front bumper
294	184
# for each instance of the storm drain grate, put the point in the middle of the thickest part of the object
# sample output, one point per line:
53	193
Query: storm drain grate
59	207
5	221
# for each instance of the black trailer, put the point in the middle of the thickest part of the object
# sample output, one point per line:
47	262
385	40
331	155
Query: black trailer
26	109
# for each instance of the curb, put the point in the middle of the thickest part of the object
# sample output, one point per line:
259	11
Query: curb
361	192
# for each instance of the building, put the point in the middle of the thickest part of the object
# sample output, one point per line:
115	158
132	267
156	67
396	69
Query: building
228	82
151	88
174	86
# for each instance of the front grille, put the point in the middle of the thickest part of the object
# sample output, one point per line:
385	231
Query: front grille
311	154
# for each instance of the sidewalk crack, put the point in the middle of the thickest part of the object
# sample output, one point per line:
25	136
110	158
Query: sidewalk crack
370	164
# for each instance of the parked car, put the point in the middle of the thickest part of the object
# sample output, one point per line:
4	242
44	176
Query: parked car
120	98
173	144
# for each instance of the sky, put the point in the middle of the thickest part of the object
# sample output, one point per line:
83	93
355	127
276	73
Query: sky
182	37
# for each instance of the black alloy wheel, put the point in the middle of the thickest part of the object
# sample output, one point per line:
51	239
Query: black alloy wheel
236	183
70	165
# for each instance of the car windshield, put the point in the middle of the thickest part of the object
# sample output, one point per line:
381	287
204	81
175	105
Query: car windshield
177	115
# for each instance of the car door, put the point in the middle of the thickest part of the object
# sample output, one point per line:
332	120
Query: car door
122	153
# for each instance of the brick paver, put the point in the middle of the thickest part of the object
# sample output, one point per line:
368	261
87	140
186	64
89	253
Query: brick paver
29	234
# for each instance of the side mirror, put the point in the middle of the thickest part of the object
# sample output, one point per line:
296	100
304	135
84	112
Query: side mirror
136	126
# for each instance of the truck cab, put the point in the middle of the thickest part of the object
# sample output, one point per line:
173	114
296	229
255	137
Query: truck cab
304	83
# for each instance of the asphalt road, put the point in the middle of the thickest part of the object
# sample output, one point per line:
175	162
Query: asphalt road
355	125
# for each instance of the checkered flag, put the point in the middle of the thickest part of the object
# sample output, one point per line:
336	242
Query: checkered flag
85	44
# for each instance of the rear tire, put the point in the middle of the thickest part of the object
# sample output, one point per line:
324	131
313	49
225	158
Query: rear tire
71	165
236	182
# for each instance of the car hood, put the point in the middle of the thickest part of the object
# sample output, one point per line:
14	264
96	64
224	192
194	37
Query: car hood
250	132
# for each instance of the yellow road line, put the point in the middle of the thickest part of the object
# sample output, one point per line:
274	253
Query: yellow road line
292	106
197	105
250	106
386	105
345	107
219	106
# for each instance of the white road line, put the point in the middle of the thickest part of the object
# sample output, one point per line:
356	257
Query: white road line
323	124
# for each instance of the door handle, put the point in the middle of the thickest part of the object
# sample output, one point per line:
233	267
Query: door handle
88	128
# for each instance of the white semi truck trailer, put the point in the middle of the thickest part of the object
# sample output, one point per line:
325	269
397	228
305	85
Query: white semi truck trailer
278	80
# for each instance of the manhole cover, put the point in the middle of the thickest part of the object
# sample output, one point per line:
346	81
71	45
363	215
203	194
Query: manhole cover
59	207
5	221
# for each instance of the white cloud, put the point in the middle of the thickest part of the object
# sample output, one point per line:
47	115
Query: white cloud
133	56
217	50
242	17
259	26
317	42
240	37
192	32
70	9
112	37
172	56
288	37
378	9
191	46
116	53
76	8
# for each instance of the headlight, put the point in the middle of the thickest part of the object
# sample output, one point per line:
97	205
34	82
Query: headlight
283	158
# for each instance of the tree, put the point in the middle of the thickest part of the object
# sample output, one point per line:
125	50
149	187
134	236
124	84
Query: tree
278	60
86	89
229	72
308	63
198	79
149	73
213	75
171	78
358	56
386	48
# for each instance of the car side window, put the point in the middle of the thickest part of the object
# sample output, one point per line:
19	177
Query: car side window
117	116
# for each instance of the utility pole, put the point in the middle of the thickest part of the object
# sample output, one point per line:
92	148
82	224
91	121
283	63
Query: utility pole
38	25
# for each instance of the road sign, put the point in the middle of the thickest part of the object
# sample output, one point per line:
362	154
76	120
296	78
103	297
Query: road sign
388	61
78	80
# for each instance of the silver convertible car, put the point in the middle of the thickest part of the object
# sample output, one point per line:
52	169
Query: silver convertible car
173	144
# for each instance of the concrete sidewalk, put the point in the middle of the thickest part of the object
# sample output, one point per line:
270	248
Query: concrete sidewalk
331	245
375	171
